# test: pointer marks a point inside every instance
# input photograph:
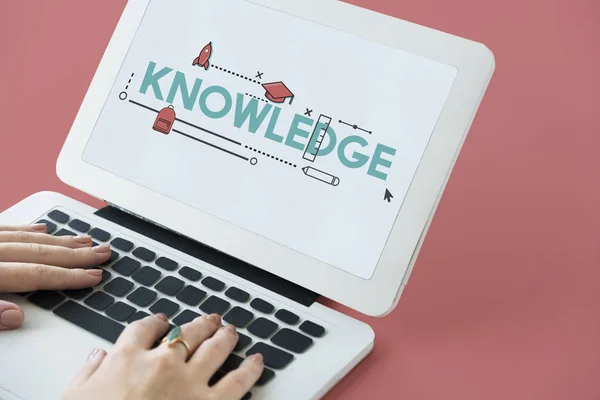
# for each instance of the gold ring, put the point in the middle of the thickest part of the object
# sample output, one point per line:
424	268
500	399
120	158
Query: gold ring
174	337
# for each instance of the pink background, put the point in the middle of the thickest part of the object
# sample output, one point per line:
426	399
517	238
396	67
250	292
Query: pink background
504	300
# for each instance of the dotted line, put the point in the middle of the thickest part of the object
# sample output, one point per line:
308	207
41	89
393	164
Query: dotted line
271	156
127	87
257	98
236	74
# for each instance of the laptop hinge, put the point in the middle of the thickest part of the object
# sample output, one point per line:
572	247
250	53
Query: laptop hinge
208	254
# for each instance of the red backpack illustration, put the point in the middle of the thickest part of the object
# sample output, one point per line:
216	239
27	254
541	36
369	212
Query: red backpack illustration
164	120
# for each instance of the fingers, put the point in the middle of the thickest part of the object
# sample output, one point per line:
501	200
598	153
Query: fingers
91	365
40	228
21	277
213	352
144	332
11	316
238	382
73	242
194	333
54	255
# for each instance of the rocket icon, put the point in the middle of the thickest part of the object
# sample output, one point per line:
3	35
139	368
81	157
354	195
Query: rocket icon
203	60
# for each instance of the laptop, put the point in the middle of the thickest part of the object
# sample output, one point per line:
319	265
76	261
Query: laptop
254	156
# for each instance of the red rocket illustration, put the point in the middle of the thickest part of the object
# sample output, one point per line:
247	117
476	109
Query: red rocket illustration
203	60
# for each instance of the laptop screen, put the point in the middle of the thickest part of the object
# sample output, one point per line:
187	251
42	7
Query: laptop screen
295	131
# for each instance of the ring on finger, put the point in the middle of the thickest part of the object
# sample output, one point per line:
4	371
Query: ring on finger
174	337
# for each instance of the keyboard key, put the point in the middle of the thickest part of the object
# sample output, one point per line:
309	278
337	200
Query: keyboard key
99	234
65	232
89	320
113	257
50	226
105	276
99	301
137	316
262	327
185	317
231	363
79	225
58	216
146	276
191	296
265	377
292	340
169	286
46	299
120	311
312	329
287	317
237	294
190	274
118	287
122	244
238	317
262	306
243	342
166	307
78	294
274	357
214	305
216	378
213	284
126	266
144	254
142	296
166	263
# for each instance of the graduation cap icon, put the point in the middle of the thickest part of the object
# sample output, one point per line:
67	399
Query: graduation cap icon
277	92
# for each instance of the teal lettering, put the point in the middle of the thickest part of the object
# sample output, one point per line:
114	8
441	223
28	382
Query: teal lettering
226	107
377	160
249	112
270	133
358	159
296	131
180	84
151	79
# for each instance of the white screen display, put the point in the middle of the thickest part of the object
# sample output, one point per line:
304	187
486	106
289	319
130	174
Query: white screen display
303	134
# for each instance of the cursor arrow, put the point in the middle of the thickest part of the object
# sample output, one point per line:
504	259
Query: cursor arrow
388	196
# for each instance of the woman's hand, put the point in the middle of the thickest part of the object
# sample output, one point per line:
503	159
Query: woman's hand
32	260
135	371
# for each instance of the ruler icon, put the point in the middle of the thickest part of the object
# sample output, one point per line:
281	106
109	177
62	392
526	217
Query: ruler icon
318	136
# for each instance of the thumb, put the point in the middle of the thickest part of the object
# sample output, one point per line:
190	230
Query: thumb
11	316
92	363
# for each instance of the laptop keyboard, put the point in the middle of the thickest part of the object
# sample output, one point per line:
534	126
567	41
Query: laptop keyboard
138	281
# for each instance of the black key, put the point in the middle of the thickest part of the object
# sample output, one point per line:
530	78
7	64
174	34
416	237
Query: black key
122	244
185	317
214	305
265	377
312	329
243	342
169	286
247	396
118	287
216	378
190	273
237	294
137	316
165	306
262	306
105	276
113	256
238	317
191	295
274	357
78	294
58	216
292	340
144	254
50	226
146	276
46	299
142	296
126	266
79	225
120	311
95	244
213	284
99	234
65	232
89	320
166	263
262	327
287	317
232	362
24	294
99	301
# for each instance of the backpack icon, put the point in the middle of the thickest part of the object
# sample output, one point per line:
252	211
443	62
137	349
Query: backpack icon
164	121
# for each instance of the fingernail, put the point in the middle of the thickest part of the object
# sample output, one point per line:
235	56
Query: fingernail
231	329
11	319
94	272
103	248
95	354
216	318
162	316
257	358
83	239
39	227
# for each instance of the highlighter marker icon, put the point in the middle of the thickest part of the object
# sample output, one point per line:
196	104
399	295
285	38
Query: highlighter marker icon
321	176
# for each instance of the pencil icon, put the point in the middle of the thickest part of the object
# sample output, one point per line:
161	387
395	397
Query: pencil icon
321	176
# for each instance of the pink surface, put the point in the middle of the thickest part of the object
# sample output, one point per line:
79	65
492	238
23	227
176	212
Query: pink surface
504	300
